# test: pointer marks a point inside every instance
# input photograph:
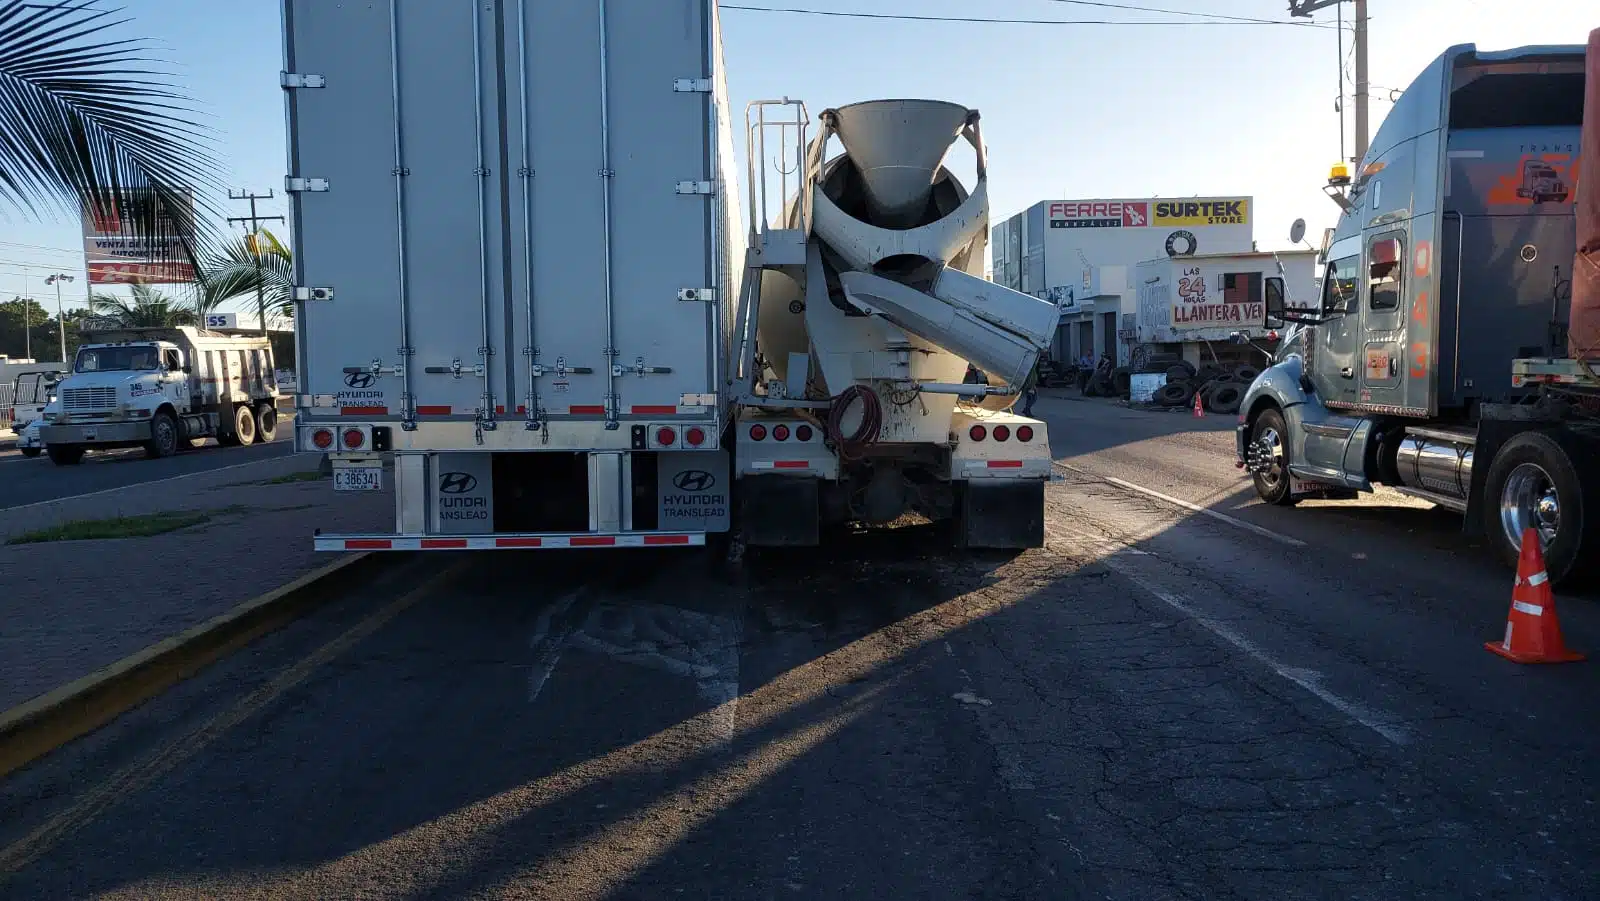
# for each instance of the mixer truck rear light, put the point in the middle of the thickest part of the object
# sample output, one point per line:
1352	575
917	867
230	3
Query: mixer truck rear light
1024	433
803	433
758	432
1002	433
977	433
780	433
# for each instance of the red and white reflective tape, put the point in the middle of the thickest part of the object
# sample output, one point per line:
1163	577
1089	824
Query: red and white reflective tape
507	542
780	464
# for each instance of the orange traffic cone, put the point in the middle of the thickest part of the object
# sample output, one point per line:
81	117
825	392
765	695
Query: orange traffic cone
1199	408
1533	635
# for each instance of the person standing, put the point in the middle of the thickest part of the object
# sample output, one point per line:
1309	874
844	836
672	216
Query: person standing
1031	392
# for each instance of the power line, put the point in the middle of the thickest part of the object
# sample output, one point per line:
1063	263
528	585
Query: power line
993	20
1184	12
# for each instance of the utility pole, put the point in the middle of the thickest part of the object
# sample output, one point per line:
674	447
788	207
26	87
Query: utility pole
254	226
61	314
27	319
1306	8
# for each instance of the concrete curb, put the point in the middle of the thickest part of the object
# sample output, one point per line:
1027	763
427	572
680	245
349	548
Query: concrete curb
37	727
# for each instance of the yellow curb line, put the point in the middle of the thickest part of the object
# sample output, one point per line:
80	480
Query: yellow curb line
37	727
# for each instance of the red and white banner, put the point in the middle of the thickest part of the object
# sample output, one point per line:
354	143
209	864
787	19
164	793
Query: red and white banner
120	272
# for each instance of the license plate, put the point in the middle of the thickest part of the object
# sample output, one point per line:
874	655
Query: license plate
358	479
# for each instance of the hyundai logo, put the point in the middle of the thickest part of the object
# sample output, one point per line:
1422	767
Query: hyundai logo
694	480
457	483
359	380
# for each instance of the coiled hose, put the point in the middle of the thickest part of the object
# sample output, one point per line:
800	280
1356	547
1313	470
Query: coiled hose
871	420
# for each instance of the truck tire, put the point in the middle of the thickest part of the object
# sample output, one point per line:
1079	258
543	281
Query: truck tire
244	426
1533	483
1174	394
65	454
31	452
1225	397
1269	438
266	423
163	436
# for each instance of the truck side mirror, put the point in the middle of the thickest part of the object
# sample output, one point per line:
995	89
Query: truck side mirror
1274	297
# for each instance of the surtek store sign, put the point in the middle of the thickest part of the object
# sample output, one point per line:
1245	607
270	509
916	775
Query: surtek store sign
1099	214
1225	211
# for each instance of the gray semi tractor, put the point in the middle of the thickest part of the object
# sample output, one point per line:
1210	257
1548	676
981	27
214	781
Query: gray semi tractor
1439	360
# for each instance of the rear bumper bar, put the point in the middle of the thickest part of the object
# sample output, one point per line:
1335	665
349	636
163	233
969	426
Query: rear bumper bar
507	542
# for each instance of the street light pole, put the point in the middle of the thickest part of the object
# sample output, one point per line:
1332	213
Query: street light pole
61	314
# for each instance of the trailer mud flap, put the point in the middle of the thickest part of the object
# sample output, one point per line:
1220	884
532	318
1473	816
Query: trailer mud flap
779	511
1008	515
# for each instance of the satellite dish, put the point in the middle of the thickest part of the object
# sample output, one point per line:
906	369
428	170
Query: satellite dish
1297	231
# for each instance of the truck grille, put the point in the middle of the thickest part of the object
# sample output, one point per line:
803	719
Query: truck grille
84	399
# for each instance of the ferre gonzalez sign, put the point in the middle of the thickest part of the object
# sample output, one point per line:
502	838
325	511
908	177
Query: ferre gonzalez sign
1099	214
1217	300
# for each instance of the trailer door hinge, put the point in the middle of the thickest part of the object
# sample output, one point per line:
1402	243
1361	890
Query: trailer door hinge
303	293
301	80
295	183
701	294
696	187
692	86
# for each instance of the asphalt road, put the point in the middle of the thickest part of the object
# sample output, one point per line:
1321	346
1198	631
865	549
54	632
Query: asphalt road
1159	705
26	481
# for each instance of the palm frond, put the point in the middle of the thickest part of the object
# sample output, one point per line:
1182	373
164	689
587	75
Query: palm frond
90	126
147	308
237	267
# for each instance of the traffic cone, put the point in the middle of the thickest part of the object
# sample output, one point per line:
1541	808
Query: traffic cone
1199	407
1533	635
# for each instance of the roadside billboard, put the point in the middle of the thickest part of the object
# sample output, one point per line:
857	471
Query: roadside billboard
116	254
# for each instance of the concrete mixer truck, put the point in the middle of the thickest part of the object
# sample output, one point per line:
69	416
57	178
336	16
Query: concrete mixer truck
528	304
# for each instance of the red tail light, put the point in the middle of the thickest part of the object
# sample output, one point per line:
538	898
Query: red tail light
1002	433
803	433
666	437
780	433
322	438
353	439
758	433
1024	433
977	433
694	436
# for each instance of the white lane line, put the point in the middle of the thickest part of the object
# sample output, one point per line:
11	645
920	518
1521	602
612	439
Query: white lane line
547	647
185	476
1196	508
1310	680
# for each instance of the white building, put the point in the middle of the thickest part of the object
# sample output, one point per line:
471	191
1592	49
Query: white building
1083	254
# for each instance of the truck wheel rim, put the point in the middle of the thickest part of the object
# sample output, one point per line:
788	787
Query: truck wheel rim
166	437
1529	501
1268	450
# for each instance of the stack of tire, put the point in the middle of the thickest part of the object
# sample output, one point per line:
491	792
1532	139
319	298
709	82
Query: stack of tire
1220	387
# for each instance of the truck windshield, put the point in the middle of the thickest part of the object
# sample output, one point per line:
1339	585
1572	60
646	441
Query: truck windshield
117	359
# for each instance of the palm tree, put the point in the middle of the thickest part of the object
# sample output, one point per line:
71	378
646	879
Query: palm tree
255	260
149	308
90	126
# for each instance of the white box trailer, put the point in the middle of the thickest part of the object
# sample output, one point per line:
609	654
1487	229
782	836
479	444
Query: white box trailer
515	230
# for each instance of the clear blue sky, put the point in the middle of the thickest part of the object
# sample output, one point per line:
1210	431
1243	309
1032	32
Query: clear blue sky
1068	110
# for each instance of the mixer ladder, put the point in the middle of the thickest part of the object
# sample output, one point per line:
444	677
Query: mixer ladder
778	230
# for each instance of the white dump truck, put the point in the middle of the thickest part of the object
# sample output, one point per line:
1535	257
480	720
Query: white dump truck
522	278
162	389
31	392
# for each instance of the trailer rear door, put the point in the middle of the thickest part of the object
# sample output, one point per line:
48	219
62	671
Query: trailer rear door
518	228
